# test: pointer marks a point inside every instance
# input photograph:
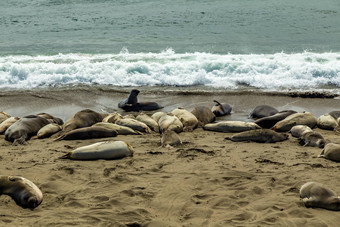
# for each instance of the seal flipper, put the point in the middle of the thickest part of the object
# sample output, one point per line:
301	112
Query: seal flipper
218	103
19	141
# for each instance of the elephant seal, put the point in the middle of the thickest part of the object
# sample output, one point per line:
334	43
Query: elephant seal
102	150
170	138
128	122
24	192
83	118
304	118
270	121
316	195
88	133
51	118
170	122
221	109
132	104
48	130
156	116
327	122
335	114
259	136
298	130
231	126
149	121
24	129
203	114
331	152
188	120
121	130
262	111
312	139
6	123
3	116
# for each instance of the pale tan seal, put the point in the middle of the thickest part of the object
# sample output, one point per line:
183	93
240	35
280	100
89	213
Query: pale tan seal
156	116
128	122
304	118
221	109
331	152
298	130
24	192
48	130
170	138
6	123
101	150
170	122
270	121
121	130
24	129
327	122
88	133
312	139
316	195
262	111
149	121
259	135
231	126
203	114
3	116
188	120
83	118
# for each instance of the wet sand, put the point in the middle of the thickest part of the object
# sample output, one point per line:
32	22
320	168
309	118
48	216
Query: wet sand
206	181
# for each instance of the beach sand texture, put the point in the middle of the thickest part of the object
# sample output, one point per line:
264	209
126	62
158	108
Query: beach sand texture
206	181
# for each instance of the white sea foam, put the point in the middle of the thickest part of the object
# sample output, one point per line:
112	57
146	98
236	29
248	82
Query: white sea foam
274	72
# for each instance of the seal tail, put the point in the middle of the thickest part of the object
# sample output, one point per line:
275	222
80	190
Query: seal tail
61	137
322	154
66	156
227	138
218	102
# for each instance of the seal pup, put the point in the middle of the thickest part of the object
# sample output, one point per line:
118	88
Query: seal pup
101	150
121	130
170	138
203	114
231	126
270	121
331	152
259	135
24	129
262	111
312	139
221	109
304	118
298	130
327	122
24	192
87	133
48	130
188	120
170	122
83	118
149	121
128	122
156	116
6	123
132	104
316	195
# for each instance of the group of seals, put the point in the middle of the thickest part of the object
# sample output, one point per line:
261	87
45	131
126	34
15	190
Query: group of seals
132	104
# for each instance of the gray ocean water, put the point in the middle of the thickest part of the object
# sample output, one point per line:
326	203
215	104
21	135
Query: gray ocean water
47	27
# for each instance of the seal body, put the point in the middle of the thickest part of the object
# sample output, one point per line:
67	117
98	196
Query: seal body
312	139
317	196
88	133
221	109
231	126
3	116
48	130
335	114
24	192
156	116
24	129
128	122
170	138
259	135
188	120
262	111
101	150
121	130
149	121
298	130
203	114
83	118
286	124
51	118
331	152
132	104
170	122
270	121
327	122
6	123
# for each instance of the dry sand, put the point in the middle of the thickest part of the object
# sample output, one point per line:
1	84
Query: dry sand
206	181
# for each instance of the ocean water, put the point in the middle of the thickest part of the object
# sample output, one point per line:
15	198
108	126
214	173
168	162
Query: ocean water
260	45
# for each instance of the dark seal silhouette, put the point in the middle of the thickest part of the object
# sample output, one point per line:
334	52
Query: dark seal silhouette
132	104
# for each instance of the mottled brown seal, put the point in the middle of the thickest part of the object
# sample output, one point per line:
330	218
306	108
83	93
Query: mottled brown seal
83	118
88	133
304	118
312	139
259	135
231	126
203	114
270	121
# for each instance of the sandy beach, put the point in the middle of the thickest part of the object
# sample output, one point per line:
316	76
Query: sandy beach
206	181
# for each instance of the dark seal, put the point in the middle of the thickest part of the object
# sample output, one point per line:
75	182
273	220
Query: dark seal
132	104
